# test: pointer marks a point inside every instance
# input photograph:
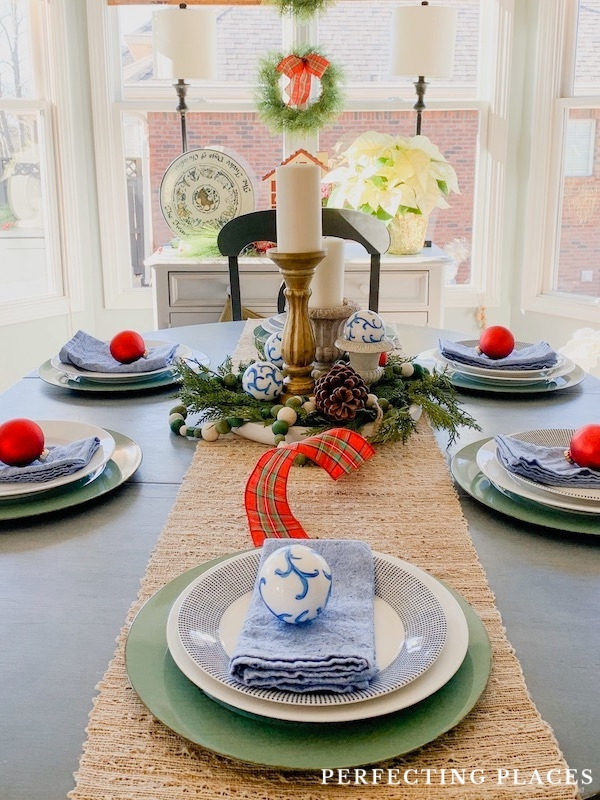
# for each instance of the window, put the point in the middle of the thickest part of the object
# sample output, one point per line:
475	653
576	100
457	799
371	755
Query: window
138	129
31	276
566	165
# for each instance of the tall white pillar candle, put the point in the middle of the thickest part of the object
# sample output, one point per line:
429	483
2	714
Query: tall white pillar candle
298	212
328	282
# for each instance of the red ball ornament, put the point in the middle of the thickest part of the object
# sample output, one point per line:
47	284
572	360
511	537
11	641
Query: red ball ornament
383	359
496	342
584	447
127	346
21	442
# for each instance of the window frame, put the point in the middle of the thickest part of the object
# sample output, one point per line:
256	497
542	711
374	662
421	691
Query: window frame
490	182
552	73
50	107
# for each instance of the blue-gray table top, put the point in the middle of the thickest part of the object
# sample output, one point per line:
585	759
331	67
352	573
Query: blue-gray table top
68	579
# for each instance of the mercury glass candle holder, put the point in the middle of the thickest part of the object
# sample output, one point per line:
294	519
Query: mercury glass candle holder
298	345
328	324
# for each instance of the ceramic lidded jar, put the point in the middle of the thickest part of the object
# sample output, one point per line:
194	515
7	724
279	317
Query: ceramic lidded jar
364	340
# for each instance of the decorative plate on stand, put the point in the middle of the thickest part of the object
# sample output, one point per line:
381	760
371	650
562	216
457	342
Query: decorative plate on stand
204	186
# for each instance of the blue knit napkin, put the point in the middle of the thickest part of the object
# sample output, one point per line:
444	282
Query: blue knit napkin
87	352
62	459
532	356
335	652
542	464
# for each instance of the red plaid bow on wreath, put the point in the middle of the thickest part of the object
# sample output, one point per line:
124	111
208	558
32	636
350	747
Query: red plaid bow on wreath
300	71
338	451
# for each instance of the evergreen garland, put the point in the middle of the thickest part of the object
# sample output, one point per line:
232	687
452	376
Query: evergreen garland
218	395
272	109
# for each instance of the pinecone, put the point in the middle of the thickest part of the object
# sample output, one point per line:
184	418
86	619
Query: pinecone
340	393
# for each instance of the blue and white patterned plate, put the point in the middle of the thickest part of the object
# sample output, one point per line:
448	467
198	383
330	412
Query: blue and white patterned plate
407	644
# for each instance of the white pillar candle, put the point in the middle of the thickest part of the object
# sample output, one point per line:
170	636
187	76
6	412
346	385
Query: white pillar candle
328	282
298	212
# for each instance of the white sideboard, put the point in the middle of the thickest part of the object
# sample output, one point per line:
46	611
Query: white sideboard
187	291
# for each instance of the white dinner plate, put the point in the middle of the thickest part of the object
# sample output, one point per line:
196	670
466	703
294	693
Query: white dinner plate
182	352
505	481
487	372
438	674
59	432
420	628
520	377
554	437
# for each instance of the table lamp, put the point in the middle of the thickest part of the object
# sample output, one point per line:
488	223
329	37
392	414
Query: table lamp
185	46
423	39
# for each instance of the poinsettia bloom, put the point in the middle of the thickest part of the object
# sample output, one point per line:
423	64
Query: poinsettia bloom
388	175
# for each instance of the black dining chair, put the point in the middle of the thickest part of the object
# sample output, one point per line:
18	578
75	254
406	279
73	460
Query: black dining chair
343	223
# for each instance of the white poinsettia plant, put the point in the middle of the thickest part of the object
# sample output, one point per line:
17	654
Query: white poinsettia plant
386	175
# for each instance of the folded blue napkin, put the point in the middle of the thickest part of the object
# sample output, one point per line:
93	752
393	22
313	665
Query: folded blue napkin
546	465
62	459
532	356
87	352
335	652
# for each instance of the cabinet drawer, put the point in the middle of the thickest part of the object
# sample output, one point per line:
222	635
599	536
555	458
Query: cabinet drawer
192	288
260	288
409	288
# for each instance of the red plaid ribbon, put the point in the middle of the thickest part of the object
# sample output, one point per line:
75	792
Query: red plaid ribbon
269	515
300	72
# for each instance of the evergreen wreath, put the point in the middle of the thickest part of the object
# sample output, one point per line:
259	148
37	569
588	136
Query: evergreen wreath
277	115
301	9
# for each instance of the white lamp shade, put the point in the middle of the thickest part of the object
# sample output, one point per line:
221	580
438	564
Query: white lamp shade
185	43
423	39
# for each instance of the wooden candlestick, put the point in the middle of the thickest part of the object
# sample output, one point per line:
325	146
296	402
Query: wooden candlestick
298	346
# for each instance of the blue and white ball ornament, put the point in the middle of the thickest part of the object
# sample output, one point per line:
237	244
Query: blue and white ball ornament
263	380
295	583
273	349
364	326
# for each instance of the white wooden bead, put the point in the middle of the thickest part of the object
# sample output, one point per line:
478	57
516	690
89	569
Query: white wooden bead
209	432
287	414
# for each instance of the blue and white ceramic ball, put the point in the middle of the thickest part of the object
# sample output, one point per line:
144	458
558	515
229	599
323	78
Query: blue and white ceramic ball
263	380
364	326
295	583
273	349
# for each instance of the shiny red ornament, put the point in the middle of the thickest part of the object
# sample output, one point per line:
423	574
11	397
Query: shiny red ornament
21	442
127	346
584	447
383	359
496	342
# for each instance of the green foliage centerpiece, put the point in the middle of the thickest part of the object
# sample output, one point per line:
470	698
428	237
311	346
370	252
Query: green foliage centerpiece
386	412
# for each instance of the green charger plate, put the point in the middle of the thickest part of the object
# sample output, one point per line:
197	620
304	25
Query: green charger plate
189	712
461	381
469	477
124	462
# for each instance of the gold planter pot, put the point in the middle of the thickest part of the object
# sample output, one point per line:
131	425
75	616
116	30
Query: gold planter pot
407	234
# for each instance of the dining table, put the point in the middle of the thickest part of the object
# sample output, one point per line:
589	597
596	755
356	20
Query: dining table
68	575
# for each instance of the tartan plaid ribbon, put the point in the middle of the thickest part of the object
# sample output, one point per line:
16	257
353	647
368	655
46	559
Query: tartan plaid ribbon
300	71
338	451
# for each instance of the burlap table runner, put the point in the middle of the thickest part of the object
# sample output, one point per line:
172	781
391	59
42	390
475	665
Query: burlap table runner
402	502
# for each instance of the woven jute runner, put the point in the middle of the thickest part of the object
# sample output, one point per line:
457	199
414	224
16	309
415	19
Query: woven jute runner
403	503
